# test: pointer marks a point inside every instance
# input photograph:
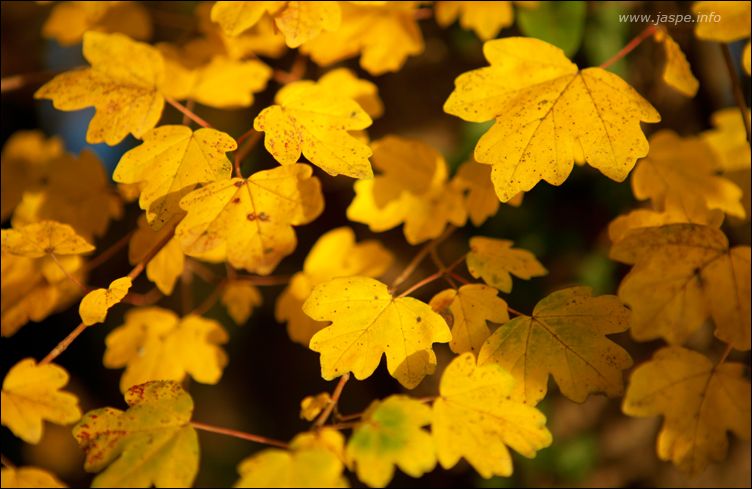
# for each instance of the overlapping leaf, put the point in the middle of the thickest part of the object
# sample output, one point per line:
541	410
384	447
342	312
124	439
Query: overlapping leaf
495	261
167	265
95	305
69	21
485	18
481	202
44	238
676	70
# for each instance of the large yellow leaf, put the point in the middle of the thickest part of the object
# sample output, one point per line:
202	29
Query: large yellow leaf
314	121
77	193
154	344
467	310
676	70
31	394
475	418
368	322
69	21
390	434
547	112
682	274
240	297
699	403
170	162
728	139
152	443
122	85
411	189
344	82
94	306
684	169
722	21
28	477
44	238
495	261
384	35
485	18
250	220
313	461
335	254
167	265
565	337
25	163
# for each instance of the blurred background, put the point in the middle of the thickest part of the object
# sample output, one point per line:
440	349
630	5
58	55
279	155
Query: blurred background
268	375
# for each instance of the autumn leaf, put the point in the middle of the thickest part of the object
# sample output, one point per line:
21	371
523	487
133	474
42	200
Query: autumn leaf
153	435
26	158
122	85
481	202
729	20
250	220
94	306
564	337
390	434
240	298
367	321
69	21
28	477
31	394
312	461
487	19
263	39
547	112
155	344
728	140
474	418
170	162
335	254
311	406
364	92
384	35
411	189
683	274
495	261
467	310
44	238
699	403
684	169
314	121
676	70
167	265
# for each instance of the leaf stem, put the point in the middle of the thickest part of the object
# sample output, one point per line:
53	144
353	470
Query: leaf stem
343	426
209	302
63	345
239	434
418	258
268	280
253	138
515	311
334	400
724	356
297	71
189	106
186	112
425	281
70	277
109	252
647	32
736	87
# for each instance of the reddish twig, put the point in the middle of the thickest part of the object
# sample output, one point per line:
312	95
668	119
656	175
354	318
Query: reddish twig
736	88
186	112
334	400
239	434
649	31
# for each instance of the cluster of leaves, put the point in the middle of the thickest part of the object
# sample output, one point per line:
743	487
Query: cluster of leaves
548	115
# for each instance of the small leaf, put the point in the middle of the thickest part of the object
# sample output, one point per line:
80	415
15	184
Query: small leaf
676	71
311	406
240	298
94	306
494	260
487	19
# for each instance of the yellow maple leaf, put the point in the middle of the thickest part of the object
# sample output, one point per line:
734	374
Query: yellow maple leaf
28	477
564	337
467	311
722	21
699	403
728	139
311	406
94	306
313	460
250	220
682	274
154	344
367	322
31	394
547	112
170	162
390	434
411	189
383	34
69	21
676	71
495	261
77	193
684	169
298	21
485	18
314	121
474	418
44	238
154	435
364	92
167	265
122	85
240	298
335	254
25	163
263	39
480	199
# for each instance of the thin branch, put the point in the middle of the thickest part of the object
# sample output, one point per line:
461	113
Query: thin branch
70	277
418	258
146	299
109	252
515	311
189	106
343	426
459	278
243	151
202	271
736	87
209	302
6	462
334	400
425	281
63	345
268	280
239	434
184	110
724	356
631	46
186	291
297	71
